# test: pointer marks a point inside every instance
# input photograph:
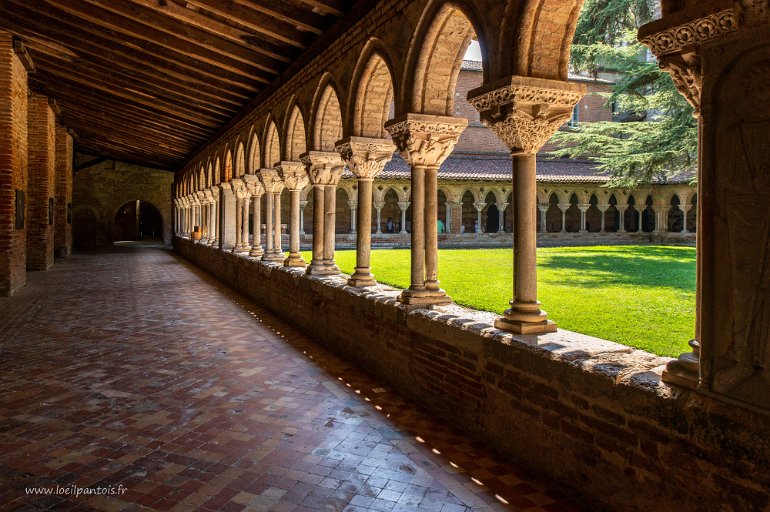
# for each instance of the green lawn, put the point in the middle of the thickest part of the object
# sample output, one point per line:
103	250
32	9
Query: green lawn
642	296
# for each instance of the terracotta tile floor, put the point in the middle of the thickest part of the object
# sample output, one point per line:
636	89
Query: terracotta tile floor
131	370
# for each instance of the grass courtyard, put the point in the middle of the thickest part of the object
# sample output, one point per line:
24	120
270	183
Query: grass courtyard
642	296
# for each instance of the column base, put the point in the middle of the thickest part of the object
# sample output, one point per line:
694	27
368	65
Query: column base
519	327
213	242
361	278
684	371
322	269
424	298
256	252
294	260
273	256
241	249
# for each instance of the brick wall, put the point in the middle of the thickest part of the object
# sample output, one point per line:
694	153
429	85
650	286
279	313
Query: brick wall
13	165
588	413
480	139
99	191
63	227
41	183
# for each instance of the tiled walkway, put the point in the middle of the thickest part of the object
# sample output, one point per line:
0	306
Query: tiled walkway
131	370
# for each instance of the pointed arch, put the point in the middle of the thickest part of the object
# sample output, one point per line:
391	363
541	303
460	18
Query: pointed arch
296	135
327	116
227	169
254	153
240	160
272	153
209	175
443	35
373	92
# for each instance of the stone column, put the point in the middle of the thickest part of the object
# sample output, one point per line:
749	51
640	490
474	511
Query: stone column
583	209
324	169
273	185
718	54
641	218
213	194
603	210
242	196
501	215
564	207
295	177
424	142
302	205
378	206
256	190
543	216
353	221
246	201
448	220
479	208
366	158
685	210
524	113
403	206
622	209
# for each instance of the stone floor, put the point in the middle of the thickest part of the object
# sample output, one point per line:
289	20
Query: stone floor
131	373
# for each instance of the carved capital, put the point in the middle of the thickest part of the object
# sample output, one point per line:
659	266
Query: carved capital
209	197
202	199
403	205
525	112
323	167
253	185
685	71
271	181
214	192
366	157
686	30
425	140
294	175
237	184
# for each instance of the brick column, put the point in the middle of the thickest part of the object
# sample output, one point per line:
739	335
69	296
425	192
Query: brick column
41	183
455	216
295	177
63	201
273	185
524	113
324	169
424	142
718	54
366	158
13	166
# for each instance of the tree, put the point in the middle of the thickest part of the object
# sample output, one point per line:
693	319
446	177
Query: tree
657	137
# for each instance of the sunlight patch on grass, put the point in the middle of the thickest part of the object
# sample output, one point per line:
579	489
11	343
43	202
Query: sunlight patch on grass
640	296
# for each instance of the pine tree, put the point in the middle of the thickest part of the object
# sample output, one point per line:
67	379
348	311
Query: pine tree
657	138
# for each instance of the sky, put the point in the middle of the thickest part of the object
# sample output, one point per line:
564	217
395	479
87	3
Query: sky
474	51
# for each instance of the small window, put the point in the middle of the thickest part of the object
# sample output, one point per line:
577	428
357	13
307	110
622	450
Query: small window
19	209
575	121
50	211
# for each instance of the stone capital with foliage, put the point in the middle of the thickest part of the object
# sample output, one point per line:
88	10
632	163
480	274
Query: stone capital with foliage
294	174
425	140
525	112
366	157
271	180
323	167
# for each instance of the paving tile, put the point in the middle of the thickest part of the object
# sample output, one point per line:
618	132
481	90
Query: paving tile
131	367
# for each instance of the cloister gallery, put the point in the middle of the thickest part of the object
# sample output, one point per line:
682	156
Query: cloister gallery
325	116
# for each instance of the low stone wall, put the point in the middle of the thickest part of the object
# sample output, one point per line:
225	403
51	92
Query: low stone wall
586	412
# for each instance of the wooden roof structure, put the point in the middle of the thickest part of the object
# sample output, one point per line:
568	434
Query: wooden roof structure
149	81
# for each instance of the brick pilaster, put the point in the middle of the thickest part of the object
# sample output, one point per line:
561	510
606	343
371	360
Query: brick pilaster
13	165
63	203
41	183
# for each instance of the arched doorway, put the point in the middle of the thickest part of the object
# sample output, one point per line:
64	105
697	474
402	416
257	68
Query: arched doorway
137	220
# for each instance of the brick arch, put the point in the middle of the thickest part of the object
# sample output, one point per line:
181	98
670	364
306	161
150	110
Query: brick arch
435	57
201	181
209	174
327	116
373	93
254	152
296	135
240	159
272	152
539	33
227	168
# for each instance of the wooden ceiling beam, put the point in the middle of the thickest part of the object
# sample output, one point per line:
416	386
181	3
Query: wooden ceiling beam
255	21
73	79
335	7
303	19
121	155
69	30
153	19
150	37
157	149
194	18
82	114
109	78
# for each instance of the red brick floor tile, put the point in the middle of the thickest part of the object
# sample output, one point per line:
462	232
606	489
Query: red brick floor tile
132	368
